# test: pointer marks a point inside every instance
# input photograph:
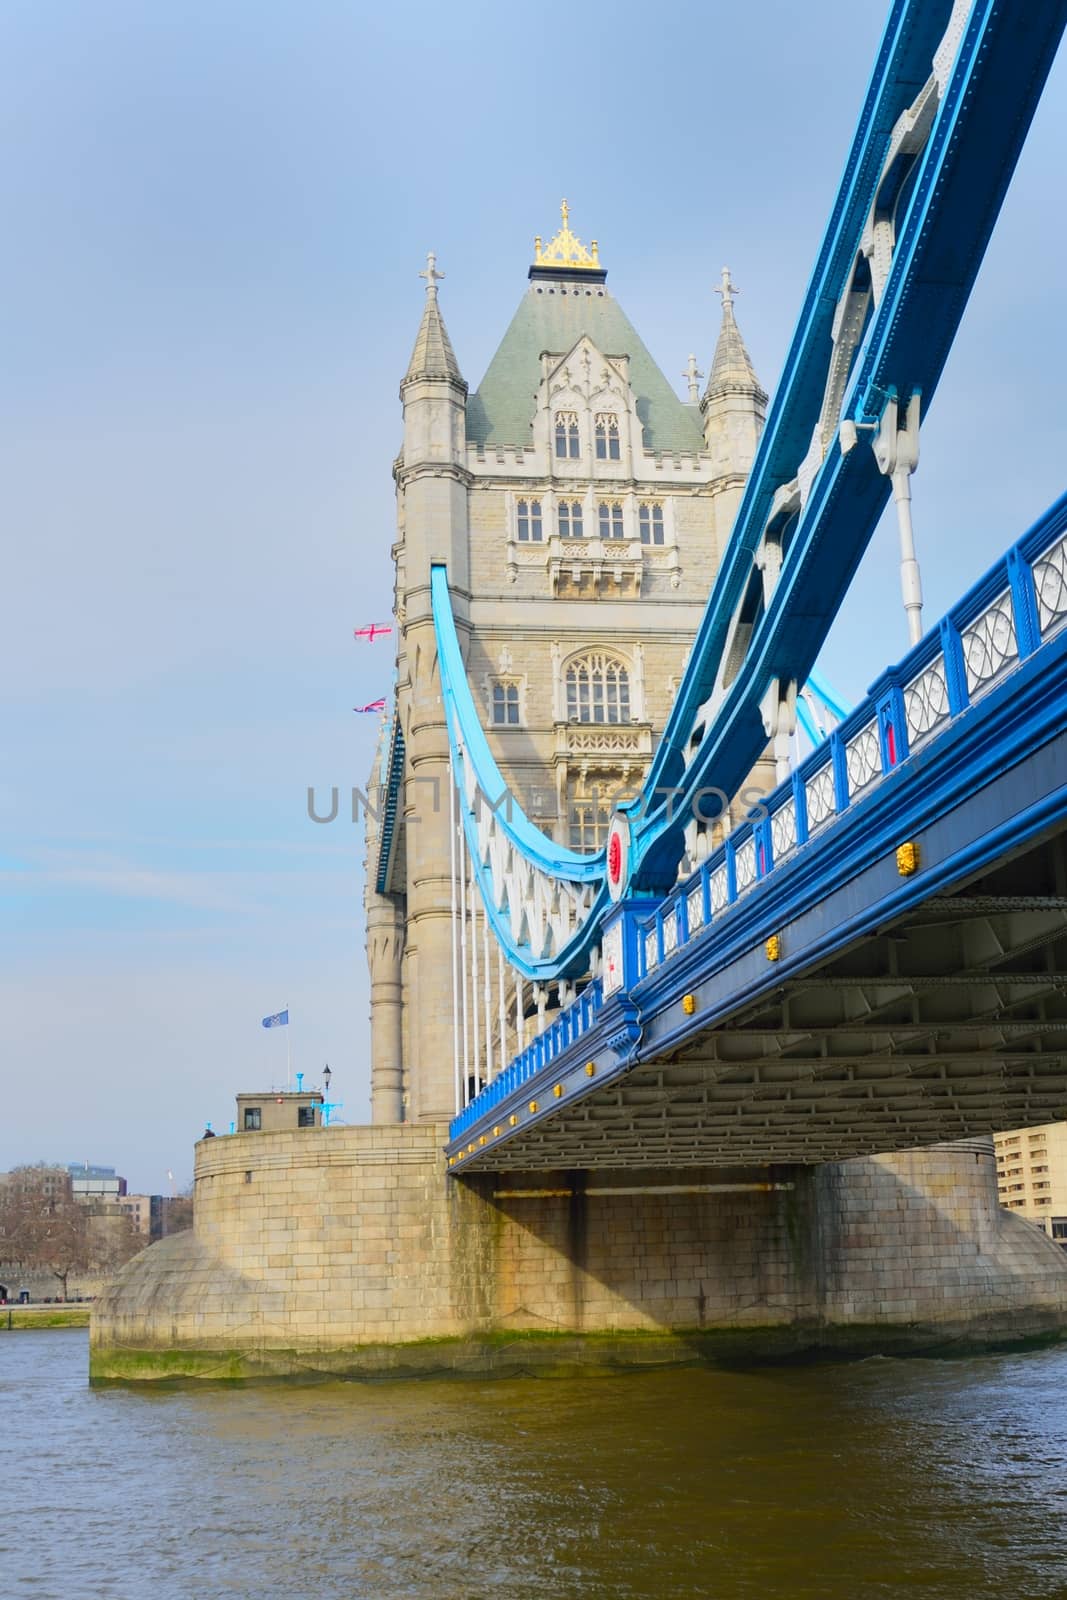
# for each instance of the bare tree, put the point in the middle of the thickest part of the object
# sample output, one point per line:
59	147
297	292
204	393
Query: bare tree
42	1225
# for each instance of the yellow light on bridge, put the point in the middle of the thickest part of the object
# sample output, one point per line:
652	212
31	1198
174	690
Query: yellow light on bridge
497	1131
590	1069
482	1139
773	947
557	1090
513	1120
689	1004
533	1105
907	858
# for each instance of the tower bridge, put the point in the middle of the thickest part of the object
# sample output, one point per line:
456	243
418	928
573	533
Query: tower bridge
674	1034
559	680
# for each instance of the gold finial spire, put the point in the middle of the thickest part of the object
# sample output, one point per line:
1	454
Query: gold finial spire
566	250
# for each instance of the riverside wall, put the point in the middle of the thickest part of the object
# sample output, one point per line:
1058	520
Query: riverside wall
349	1251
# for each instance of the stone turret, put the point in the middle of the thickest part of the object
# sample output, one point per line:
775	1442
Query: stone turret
412	949
733	407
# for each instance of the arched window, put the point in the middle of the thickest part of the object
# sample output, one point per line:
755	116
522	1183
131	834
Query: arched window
505	704
606	434
650	520
570	519
609	519
567	435
528	520
598	689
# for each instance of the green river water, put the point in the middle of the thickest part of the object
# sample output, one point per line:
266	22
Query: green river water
881	1478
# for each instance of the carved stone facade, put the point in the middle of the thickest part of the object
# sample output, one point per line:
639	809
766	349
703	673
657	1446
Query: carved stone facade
582	508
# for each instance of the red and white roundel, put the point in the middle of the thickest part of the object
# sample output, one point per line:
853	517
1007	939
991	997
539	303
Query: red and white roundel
618	856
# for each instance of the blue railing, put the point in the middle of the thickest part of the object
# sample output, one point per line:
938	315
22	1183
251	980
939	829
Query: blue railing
563	1031
1003	619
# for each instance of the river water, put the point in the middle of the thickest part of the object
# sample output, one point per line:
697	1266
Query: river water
881	1478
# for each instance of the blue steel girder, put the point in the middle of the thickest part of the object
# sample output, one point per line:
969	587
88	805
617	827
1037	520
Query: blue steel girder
963	173
951	98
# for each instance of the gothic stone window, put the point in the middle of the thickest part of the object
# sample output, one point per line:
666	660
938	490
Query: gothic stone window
609	519
606	433
570	519
650	521
598	689
567	435
589	816
505	704
529	521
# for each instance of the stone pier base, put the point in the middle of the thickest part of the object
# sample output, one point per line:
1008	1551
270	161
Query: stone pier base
348	1251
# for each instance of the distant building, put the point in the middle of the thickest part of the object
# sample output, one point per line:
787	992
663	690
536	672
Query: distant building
51	1182
88	1182
139	1209
1032	1175
279	1111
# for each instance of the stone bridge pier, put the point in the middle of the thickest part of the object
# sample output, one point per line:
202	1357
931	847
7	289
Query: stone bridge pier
348	1251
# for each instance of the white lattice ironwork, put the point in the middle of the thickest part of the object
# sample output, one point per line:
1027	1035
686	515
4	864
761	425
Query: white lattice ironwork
926	701
863	759
989	644
651	950
720	890
745	865
611	959
542	910
819	797
670	931
694	908
784	830
1050	581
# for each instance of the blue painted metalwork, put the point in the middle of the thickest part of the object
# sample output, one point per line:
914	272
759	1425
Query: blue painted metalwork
945	202
1005	646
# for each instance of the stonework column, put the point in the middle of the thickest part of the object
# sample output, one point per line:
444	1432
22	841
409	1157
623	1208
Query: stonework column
385	949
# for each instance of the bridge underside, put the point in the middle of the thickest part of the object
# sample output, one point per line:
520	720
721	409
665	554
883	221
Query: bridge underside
948	1022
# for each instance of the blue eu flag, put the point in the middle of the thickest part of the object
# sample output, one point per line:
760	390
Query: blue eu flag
279	1020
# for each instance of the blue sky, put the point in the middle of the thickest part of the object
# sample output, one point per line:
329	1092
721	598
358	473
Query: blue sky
216	214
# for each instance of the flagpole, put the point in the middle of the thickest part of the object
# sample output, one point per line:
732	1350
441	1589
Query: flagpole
288	1051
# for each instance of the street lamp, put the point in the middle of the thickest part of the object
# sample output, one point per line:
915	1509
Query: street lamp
326	1076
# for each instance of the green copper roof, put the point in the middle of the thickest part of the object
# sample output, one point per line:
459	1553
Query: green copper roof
501	412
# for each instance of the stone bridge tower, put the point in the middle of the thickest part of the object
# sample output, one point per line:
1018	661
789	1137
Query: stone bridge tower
582	509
